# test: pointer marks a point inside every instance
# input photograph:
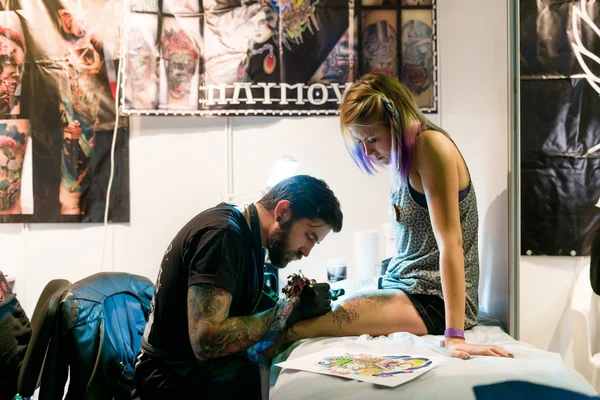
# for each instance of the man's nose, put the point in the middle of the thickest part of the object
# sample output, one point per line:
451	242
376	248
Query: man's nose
306	249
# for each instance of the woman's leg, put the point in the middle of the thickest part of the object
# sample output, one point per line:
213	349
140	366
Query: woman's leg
374	312
357	284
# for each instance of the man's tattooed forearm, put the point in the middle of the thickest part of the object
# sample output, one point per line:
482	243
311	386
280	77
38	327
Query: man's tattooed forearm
212	333
230	336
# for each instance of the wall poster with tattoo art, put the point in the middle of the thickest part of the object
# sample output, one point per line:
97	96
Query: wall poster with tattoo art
15	188
272	57
179	67
59	103
408	52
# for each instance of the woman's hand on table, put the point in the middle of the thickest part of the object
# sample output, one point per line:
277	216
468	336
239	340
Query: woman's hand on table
459	348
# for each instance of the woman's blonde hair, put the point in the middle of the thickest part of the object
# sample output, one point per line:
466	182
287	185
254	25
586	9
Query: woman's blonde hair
378	99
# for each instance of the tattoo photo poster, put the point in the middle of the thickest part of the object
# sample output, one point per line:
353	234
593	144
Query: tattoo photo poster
271	57
378	368
58	112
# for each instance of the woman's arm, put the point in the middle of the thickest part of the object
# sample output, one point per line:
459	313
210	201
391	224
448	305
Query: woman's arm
438	163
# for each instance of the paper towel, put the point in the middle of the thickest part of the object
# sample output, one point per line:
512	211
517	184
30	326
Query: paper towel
389	241
366	245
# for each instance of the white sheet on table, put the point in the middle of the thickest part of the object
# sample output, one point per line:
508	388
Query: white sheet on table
452	379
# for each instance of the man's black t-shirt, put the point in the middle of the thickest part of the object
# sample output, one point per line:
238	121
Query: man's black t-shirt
218	248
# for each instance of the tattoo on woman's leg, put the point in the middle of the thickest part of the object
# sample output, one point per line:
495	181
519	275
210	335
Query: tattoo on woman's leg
345	314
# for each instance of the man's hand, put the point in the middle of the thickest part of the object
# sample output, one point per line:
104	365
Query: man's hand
315	300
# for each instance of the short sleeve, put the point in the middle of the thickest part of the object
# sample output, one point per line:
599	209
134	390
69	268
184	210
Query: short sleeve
216	258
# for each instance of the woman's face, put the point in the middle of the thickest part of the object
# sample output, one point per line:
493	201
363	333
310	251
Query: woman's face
262	30
376	140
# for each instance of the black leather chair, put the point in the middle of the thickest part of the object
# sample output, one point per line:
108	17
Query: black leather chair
43	326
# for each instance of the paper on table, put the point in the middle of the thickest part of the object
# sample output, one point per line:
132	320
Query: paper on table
378	368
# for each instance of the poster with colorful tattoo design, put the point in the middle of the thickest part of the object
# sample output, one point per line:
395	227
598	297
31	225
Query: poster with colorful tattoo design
381	369
242	45
417	55
12	62
278	57
65	90
339	66
180	66
380	46
14	135
141	85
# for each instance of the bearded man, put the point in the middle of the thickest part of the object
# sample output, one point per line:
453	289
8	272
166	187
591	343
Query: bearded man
207	309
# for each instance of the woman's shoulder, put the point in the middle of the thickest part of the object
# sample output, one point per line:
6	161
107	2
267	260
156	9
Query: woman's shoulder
432	143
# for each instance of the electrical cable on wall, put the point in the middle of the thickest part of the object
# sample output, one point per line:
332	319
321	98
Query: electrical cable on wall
112	167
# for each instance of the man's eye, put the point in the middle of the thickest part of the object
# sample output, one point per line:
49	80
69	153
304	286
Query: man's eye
372	140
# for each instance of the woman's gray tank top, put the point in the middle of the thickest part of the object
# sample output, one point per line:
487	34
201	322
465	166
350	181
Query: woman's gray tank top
416	267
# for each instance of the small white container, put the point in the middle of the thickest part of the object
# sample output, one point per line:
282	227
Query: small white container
336	270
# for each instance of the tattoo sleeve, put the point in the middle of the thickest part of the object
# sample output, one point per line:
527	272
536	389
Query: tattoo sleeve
212	333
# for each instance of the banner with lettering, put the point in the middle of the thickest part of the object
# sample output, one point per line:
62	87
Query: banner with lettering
271	57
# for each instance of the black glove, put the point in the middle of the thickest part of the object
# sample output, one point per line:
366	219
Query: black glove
314	300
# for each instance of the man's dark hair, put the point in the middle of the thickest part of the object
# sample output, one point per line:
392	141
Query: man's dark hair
309	198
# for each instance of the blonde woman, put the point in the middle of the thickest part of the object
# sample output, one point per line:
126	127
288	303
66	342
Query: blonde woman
430	286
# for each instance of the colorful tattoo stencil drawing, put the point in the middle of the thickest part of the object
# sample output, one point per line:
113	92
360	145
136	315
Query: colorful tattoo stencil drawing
13	142
371	365
12	59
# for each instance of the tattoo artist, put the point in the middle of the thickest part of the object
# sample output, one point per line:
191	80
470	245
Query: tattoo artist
209	307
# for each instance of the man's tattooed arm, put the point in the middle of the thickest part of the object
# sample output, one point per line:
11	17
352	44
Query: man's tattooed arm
212	333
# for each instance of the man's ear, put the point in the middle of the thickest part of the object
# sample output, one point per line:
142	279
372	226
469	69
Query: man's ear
283	211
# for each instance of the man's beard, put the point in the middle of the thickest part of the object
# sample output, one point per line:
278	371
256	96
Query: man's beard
277	245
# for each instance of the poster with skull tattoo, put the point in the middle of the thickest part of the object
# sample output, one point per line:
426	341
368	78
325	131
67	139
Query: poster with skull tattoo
58	112
271	57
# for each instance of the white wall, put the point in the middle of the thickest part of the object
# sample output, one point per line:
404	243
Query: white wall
178	168
474	74
545	290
